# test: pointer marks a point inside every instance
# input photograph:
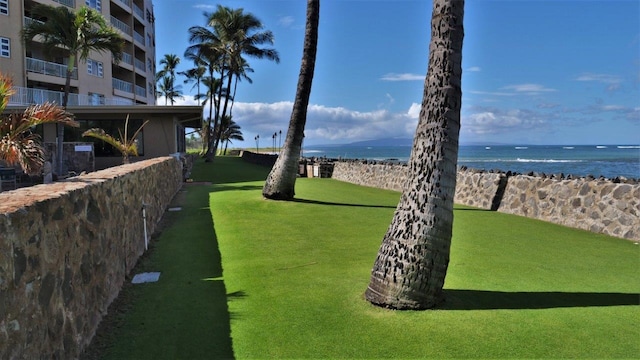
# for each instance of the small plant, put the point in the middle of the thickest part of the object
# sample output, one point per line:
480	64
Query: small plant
127	146
18	143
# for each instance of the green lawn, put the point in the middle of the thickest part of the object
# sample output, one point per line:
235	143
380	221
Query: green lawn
294	274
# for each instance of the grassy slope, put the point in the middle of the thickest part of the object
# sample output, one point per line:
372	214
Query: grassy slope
516	287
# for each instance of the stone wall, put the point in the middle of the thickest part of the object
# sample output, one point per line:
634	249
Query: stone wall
65	249
597	205
259	158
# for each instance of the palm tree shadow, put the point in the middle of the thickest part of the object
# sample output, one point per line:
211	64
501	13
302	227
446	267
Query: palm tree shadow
318	202
456	299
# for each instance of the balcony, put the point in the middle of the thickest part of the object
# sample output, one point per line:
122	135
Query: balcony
140	91
140	65
127	58
29	96
138	11
139	38
125	2
68	3
122	85
49	68
120	25
29	21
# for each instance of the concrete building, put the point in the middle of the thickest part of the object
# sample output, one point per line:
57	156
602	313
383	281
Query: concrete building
103	93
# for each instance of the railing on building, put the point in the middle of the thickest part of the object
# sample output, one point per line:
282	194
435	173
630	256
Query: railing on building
138	11
29	21
140	91
125	2
69	3
30	96
140	65
139	38
49	68
127	58
122	85
120	25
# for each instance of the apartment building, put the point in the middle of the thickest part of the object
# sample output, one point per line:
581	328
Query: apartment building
103	93
40	77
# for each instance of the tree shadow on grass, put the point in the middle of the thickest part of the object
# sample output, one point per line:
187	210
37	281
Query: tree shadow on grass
318	202
456	299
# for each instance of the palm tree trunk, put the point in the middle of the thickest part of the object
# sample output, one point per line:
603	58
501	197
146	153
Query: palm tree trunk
280	184
224	111
60	127
412	262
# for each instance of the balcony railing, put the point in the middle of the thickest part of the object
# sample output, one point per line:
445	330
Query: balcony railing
120	25
138	11
140	91
29	21
69	3
140	65
125	2
49	68
122	85
127	58
30	96
139	38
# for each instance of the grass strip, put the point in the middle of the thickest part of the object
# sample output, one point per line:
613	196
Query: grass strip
516	288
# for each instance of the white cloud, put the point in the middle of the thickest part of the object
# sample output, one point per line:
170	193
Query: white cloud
204	7
402	77
601	78
474	69
185	100
499	121
493	93
286	21
325	124
528	88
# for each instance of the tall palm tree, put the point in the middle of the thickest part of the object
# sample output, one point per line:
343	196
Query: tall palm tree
169	64
18	143
280	184
229	131
168	89
412	262
196	75
230	34
77	34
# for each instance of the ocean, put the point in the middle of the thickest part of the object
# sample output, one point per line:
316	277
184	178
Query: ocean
577	160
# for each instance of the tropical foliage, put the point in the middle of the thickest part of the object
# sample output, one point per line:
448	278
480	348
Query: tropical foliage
412	262
220	46
229	131
125	145
280	184
166	79
77	34
19	144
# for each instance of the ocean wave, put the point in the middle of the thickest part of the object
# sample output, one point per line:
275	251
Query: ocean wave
547	161
313	151
601	147
568	147
521	147
629	147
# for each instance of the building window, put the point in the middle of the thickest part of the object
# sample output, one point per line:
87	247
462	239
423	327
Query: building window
4	7
96	4
95	68
5	47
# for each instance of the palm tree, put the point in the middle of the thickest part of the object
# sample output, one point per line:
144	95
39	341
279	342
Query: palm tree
230	34
126	145
169	64
280	184
18	143
412	262
168	89
229	131
196	75
77	34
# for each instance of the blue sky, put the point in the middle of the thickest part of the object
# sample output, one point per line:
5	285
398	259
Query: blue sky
534	72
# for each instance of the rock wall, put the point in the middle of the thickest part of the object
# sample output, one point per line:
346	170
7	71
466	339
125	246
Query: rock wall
65	249
597	205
